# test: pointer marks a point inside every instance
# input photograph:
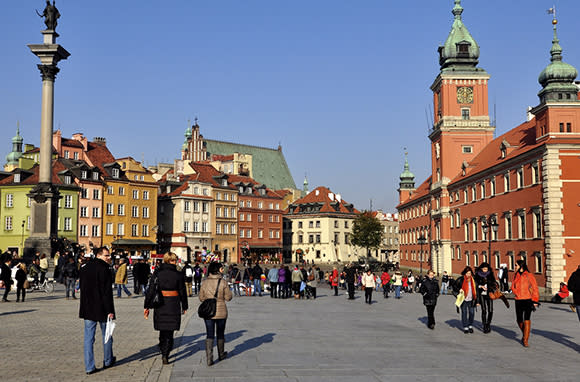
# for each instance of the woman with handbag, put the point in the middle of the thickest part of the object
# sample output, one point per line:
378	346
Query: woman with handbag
215	287
486	284
527	298
168	297
466	284
429	289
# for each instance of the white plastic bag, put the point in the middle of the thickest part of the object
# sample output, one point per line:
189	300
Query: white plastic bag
109	329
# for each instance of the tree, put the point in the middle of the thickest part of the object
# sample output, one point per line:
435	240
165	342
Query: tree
367	231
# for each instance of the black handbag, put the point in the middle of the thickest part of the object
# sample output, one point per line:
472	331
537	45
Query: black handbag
208	307
154	298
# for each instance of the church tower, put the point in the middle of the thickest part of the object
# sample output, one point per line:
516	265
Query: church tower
407	182
16	153
461	117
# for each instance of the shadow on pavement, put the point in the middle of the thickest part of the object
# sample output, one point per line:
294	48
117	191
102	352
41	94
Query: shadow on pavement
459	325
559	338
252	343
192	344
567	309
18	312
506	333
423	320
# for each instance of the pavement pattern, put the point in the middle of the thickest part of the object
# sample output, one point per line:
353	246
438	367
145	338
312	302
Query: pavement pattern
328	339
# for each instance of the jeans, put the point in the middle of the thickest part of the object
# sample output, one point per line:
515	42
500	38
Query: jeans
90	329
69	282
430	314
211	326
257	287
350	291
124	287
273	289
444	286
397	291
335	290
386	291
236	289
467	312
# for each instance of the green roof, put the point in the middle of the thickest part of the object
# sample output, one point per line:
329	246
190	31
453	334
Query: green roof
268	165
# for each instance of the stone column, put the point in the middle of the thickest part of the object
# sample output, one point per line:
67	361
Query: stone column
44	196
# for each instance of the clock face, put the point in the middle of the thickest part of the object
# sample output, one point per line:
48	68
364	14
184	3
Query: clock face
465	94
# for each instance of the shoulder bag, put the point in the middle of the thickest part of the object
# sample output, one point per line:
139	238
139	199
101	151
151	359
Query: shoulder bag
207	308
154	297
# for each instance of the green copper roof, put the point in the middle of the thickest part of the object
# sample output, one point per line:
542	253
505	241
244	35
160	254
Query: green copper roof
407	177
17	138
269	165
187	133
558	76
12	157
460	51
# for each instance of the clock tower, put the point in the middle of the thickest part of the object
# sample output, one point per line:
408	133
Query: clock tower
461	117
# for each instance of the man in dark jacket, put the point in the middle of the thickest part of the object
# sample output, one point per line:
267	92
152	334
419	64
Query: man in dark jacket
97	306
574	287
257	275
350	273
6	274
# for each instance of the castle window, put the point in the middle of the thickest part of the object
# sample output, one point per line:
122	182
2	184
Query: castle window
568	127
561	127
467	149
465	114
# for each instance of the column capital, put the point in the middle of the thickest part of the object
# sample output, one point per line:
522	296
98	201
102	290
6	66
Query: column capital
48	72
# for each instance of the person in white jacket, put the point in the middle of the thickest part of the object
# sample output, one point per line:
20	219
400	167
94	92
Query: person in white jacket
368	281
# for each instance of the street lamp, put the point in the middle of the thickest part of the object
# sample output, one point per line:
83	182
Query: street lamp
488	228
22	239
421	240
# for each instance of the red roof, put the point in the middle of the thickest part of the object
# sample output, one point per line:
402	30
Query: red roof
323	195
222	158
99	155
57	166
71	143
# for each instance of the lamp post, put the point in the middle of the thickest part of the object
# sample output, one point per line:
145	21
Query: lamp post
488	228
22	239
421	240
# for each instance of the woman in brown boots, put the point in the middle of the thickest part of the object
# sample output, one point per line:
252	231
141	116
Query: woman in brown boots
527	297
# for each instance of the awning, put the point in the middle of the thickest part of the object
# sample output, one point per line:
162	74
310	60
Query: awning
133	242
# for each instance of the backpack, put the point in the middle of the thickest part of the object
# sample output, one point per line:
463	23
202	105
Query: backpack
197	272
188	272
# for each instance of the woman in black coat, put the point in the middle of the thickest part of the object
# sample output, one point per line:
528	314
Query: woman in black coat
430	291
21	278
167	317
485	283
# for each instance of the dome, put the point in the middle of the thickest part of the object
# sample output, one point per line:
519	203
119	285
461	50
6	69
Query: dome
407	177
17	138
13	157
460	48
187	132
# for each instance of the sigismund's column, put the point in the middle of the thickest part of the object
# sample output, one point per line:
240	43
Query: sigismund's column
44	196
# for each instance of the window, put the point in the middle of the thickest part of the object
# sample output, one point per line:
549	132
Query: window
121	209
122	191
467	149
8	223
84	176
458	252
520	177
249	217
232	212
242	233
475	259
196	190
492	186
242	217
475	230
110	190
120	229
241	204
568	127
300	239
95	175
226	229
233	229
187	206
145	230
346	224
146	212
270	218
465	195
271	206
467	258
84	212
452	220
115	173
145	195
205	192
311	224
318	224
260	205
346	239
96	212
506	182
96	194
218	212
473	194
466	230
68	201
204	227
508	225
68	224
135	211
83	230
76	155
522	224
318	238
271	234
249	233
249	204
109	208
195	226
186	226
561	126
511	260
310	239
226	213
457	218
535	173
84	193
95	231
537	223
218	196
67	153
260	234
195	206
538	258
135	194
109	229
496	261
299	224
134	230
465	114
204	207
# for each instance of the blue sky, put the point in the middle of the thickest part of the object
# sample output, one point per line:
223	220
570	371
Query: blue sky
342	85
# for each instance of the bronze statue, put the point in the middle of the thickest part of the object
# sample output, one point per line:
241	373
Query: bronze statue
50	14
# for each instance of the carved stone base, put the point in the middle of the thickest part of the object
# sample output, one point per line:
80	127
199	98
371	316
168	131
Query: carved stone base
44	219
37	244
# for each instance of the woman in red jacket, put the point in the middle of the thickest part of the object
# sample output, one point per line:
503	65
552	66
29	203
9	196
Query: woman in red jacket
334	281
527	297
385	279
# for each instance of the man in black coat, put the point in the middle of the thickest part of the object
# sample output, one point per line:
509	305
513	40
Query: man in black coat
350	273
257	275
6	274
97	306
574	287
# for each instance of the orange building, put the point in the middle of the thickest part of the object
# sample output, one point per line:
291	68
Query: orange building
496	200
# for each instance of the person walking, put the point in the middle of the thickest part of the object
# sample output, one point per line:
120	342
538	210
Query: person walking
121	278
6	274
188	277
282	285
43	265
368	282
444	282
312	283
70	272
197	276
398	283
273	280
486	284
429	289
466	285
257	274
216	326
236	277
411	281
502	275
97	306
350	277
385	280
334	280
21	280
167	317
574	287
527	298
297	279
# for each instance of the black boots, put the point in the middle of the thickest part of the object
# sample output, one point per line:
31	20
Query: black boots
221	353
209	351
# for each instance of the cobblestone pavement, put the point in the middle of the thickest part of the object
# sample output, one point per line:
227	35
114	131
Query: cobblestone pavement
329	339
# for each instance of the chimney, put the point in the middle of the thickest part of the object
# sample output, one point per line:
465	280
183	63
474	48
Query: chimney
57	141
101	141
82	139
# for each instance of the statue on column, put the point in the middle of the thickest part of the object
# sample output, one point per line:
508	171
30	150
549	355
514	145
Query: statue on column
50	14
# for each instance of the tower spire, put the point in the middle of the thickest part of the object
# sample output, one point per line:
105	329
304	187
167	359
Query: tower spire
457	10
